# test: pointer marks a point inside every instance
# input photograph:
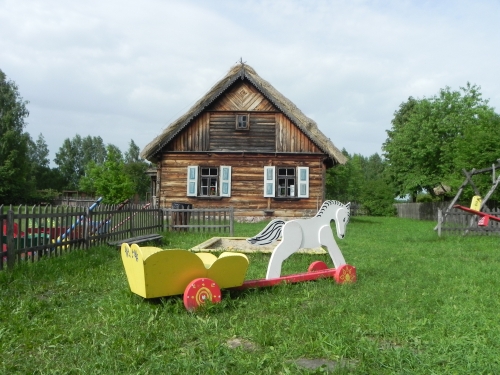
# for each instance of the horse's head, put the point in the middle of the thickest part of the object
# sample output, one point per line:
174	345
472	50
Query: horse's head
342	218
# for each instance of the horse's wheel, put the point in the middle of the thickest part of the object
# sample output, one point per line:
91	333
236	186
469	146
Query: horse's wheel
345	274
199	291
317	266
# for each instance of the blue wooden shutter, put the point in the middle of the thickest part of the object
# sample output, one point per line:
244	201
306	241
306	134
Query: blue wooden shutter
303	182
269	181
225	181
192	181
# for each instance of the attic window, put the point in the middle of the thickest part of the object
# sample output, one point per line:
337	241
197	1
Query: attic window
242	121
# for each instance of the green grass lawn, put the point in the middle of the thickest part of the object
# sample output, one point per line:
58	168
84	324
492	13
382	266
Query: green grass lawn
422	305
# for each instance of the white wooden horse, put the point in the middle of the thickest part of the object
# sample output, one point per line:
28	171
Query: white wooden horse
305	233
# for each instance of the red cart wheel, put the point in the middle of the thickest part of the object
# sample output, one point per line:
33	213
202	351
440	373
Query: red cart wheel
199	291
345	274
317	266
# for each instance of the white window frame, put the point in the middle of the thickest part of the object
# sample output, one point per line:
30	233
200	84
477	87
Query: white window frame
301	189
224	188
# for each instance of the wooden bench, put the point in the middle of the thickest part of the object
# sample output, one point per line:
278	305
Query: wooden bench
137	240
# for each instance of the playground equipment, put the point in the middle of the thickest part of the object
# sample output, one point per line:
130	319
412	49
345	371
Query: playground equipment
77	222
305	233
22	239
478	203
474	209
153	272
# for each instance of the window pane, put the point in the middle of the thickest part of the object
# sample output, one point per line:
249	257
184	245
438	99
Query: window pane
302	189
303	175
242	121
269	189
281	187
290	172
270	176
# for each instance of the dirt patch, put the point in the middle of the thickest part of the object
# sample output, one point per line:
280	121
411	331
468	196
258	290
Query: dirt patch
328	365
236	342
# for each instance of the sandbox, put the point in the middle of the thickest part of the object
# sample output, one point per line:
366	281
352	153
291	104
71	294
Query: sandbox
239	244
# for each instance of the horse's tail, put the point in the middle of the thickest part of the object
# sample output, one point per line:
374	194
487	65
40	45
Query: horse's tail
269	234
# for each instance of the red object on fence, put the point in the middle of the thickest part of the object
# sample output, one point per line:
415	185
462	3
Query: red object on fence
128	218
485	218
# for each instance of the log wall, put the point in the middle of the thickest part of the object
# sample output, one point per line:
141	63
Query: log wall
211	139
247	182
260	137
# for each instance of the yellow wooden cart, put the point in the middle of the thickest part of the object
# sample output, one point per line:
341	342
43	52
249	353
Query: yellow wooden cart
153	272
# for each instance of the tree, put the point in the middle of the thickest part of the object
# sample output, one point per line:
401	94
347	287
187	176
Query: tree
136	169
108	179
15	167
433	139
361	180
342	182
75	154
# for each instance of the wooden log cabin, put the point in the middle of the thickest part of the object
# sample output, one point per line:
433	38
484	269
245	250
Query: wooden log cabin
243	144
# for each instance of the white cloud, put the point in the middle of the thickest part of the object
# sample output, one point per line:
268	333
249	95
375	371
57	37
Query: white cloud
123	69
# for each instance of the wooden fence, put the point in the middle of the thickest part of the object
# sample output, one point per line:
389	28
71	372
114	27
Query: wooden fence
200	219
420	211
30	233
458	221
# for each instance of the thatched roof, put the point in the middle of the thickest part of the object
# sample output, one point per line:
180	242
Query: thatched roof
242	71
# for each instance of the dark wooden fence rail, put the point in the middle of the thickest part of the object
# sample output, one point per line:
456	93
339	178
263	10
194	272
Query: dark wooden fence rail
29	233
459	222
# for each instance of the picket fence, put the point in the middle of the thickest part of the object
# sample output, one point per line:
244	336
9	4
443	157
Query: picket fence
32	233
457	221
420	211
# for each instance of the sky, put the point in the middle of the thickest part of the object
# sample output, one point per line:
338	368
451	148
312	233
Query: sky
124	70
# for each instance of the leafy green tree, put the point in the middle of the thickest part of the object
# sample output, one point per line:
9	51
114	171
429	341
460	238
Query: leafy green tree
39	152
377	198
136	169
70	161
108	179
362	181
433	139
343	181
39	156
15	167
93	149
74	155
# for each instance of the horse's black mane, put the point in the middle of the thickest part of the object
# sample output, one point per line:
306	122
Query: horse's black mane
327	204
